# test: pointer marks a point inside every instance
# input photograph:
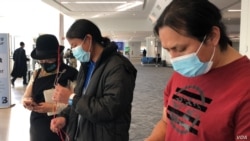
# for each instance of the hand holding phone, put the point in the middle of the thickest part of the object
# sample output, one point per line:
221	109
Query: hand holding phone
29	103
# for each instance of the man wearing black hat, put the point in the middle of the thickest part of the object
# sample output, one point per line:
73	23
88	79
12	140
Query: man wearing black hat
38	94
20	64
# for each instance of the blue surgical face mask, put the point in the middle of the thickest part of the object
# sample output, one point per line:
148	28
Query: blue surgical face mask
190	65
80	54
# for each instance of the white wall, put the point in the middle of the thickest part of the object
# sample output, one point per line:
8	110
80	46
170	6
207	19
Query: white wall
135	48
24	22
245	28
68	21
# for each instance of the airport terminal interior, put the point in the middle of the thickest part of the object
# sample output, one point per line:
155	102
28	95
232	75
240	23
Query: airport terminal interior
146	111
131	27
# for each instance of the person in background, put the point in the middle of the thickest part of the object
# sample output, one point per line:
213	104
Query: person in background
206	99
70	59
101	103
38	94
66	55
144	53
20	65
158	59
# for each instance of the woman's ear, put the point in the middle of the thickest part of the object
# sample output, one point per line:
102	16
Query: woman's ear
214	36
89	39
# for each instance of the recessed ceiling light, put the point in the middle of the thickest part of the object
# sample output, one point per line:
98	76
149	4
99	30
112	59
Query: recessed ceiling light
96	16
234	10
127	6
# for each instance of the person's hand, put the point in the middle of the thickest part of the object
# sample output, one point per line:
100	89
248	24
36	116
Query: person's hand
57	124
28	103
44	107
62	94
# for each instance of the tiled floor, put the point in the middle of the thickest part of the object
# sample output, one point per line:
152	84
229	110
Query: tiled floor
147	106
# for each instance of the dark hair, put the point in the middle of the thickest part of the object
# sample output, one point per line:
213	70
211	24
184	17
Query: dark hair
194	18
81	27
21	44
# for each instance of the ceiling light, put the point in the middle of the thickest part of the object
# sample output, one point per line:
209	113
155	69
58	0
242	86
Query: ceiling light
96	2
152	18
130	5
234	10
65	2
96	16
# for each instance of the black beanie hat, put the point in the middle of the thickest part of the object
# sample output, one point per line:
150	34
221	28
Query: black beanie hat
46	47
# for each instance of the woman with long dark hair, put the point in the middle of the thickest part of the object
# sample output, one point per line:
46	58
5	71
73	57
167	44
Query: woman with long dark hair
101	103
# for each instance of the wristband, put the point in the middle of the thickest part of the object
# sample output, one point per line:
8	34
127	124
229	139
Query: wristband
70	101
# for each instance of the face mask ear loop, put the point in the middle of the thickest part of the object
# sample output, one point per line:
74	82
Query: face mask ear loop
90	46
84	40
212	55
201	44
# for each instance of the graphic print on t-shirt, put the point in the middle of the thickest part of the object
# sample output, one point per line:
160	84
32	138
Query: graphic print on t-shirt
184	111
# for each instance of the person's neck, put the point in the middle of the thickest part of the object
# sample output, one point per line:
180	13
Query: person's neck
227	57
44	73
96	53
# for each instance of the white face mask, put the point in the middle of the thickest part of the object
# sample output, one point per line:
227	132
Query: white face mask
190	65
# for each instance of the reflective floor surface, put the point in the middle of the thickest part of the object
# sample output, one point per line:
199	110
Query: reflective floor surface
14	121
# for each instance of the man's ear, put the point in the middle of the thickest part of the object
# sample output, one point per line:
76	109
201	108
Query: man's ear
214	36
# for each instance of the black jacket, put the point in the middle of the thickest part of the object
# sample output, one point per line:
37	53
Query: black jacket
106	106
20	63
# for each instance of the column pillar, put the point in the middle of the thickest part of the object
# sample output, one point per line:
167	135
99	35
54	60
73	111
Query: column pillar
245	28
61	29
151	46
